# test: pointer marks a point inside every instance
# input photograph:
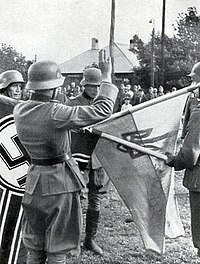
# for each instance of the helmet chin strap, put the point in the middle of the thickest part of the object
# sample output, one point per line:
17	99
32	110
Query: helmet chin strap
5	92
54	94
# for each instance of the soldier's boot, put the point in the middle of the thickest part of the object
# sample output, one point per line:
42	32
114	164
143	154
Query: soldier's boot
36	257
92	220
56	258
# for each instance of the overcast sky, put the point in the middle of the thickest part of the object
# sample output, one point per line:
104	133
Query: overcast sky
61	29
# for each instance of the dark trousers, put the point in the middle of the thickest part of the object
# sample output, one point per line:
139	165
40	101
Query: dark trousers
195	217
52	223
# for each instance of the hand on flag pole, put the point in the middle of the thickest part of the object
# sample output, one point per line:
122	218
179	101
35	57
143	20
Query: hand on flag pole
170	159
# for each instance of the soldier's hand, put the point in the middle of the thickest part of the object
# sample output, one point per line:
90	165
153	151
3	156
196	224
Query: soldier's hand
170	159
105	66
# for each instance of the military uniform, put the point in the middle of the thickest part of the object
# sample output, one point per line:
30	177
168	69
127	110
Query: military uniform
7	104
188	158
51	202
94	174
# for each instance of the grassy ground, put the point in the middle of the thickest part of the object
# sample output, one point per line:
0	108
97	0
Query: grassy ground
122	242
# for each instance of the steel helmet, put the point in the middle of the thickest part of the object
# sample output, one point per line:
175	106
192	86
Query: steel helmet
91	76
195	70
44	75
8	77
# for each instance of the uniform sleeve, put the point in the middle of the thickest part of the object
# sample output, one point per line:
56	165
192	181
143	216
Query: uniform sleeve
188	155
8	101
73	117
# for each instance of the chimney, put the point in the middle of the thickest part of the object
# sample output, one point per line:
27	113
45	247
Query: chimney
95	44
131	44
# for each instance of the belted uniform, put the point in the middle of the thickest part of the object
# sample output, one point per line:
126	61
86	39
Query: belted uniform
188	158
51	202
96	177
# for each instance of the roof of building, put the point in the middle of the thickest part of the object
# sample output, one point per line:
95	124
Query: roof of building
124	60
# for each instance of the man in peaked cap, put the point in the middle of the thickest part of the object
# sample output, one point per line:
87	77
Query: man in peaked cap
96	178
52	209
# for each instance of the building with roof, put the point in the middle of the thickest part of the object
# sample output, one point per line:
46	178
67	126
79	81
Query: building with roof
124	62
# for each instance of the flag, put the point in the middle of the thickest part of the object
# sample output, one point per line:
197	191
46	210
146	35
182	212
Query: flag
14	164
143	181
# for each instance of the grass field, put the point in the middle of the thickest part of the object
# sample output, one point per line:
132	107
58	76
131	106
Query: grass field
122	242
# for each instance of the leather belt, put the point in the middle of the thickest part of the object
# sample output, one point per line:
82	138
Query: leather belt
51	161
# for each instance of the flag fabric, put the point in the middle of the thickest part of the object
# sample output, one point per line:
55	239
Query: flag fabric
144	182
14	164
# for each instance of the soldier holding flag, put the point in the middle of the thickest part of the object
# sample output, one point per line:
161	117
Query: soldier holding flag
96	178
188	157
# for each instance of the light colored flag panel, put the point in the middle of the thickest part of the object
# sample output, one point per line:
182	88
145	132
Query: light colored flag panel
155	127
135	178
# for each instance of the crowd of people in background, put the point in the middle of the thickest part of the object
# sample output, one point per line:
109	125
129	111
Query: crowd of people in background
128	96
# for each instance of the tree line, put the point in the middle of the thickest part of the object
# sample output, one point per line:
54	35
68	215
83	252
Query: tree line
181	52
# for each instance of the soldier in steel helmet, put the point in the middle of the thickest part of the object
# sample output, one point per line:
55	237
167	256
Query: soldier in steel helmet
11	82
51	203
193	99
188	158
97	180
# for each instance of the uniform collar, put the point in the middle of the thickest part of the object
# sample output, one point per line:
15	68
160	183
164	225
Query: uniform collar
86	95
42	98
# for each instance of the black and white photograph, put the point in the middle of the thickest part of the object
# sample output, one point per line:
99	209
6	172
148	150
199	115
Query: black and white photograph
100	132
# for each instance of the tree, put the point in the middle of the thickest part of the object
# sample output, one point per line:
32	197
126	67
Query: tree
188	31
10	59
181	51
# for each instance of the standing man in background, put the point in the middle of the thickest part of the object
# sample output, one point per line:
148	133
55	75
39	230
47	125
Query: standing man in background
96	178
11	84
193	98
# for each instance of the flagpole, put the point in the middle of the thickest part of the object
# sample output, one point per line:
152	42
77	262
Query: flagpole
111	43
150	103
129	144
162	81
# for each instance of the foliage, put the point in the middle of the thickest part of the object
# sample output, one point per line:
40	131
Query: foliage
188	31
10	59
181	52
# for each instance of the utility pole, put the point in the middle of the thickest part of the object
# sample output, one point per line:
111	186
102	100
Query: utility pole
153	53
112	30
162	77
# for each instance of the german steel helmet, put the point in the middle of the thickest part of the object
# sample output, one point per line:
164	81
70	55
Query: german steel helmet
10	76
91	76
195	70
44	75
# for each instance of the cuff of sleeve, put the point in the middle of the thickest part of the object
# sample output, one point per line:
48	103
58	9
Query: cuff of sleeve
171	163
108	90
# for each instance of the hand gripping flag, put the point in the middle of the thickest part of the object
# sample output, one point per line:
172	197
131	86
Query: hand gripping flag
13	168
131	149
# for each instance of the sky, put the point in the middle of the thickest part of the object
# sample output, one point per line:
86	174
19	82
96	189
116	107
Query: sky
59	30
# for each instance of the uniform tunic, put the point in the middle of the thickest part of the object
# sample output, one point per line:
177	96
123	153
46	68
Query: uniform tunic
96	178
188	158
51	201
